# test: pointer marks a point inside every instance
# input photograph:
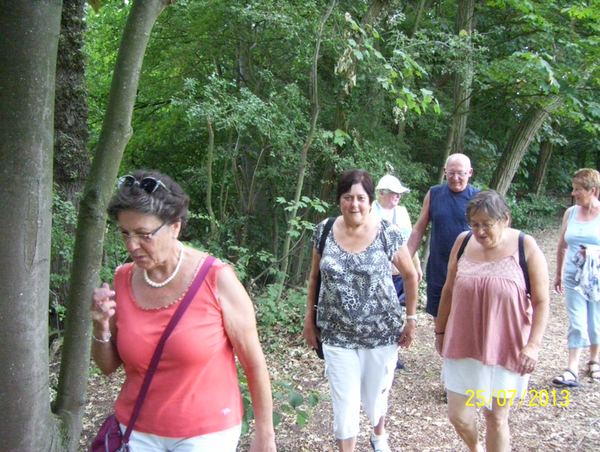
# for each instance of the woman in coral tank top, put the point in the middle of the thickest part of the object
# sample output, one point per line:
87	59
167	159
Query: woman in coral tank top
194	402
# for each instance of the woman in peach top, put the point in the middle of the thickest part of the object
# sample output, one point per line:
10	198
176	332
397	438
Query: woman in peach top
489	330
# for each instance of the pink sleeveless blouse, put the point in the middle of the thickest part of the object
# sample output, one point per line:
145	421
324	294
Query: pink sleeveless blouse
490	318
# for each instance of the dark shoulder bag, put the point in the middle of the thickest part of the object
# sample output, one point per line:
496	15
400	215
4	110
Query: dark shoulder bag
320	249
109	437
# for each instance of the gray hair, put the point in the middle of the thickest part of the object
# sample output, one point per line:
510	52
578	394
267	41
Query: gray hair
169	204
491	203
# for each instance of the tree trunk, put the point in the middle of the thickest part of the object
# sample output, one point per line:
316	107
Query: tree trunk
541	167
209	161
305	148
91	224
519	142
463	79
371	15
71	159
28	47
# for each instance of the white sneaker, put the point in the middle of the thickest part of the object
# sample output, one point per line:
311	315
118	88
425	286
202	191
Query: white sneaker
379	443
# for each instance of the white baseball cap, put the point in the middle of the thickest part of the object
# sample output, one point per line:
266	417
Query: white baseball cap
391	183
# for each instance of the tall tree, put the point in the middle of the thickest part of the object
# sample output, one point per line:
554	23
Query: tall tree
91	224
304	154
463	78
519	143
71	159
28	48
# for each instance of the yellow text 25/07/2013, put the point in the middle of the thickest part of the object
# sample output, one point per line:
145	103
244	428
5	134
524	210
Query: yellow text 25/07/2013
503	397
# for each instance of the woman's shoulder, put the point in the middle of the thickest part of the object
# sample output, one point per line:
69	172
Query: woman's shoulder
318	231
198	257
122	272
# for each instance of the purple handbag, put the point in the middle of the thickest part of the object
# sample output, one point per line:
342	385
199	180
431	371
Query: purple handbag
109	438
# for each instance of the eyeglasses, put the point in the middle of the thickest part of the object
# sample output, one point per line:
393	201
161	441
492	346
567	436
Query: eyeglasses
482	227
460	174
148	184
138	237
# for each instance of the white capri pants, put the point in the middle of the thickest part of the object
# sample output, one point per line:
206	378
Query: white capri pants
355	376
223	441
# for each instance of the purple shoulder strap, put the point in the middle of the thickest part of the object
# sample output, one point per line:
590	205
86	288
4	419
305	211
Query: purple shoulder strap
189	296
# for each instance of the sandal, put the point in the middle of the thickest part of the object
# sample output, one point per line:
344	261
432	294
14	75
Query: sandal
561	381
594	373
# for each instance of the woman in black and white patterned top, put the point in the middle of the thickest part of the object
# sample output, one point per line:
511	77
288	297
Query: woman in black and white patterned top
359	318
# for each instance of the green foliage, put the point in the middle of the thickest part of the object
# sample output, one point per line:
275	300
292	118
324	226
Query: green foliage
531	213
385	101
288	402
293	403
277	315
64	219
298	225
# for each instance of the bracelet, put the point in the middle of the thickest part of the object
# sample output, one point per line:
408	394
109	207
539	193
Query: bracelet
439	333
100	340
412	317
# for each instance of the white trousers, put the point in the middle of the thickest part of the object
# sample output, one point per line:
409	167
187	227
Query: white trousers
355	376
223	441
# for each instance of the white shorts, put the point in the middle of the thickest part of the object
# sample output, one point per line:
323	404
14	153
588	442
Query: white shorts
355	376
223	441
467	376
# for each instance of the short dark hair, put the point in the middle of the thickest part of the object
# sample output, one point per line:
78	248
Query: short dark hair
355	176
168	206
491	203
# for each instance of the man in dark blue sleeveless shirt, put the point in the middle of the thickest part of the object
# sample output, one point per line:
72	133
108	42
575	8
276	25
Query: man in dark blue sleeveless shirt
445	207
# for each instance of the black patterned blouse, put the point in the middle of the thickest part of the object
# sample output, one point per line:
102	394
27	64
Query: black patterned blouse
358	306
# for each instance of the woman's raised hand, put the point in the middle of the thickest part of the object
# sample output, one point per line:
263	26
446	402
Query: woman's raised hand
103	305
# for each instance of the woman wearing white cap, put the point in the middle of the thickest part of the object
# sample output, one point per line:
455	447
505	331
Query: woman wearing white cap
389	192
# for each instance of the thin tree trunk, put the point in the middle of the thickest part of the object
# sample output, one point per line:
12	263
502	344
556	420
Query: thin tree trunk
306	147
29	34
463	79
209	160
91	225
371	15
541	167
519	143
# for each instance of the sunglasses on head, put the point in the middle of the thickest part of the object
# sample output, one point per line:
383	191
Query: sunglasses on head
148	184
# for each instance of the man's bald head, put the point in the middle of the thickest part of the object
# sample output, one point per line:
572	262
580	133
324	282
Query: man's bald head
458	171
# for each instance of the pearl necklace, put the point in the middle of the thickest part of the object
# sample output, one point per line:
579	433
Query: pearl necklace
170	278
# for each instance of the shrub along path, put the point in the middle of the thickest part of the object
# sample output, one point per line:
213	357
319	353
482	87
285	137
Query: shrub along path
417	418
